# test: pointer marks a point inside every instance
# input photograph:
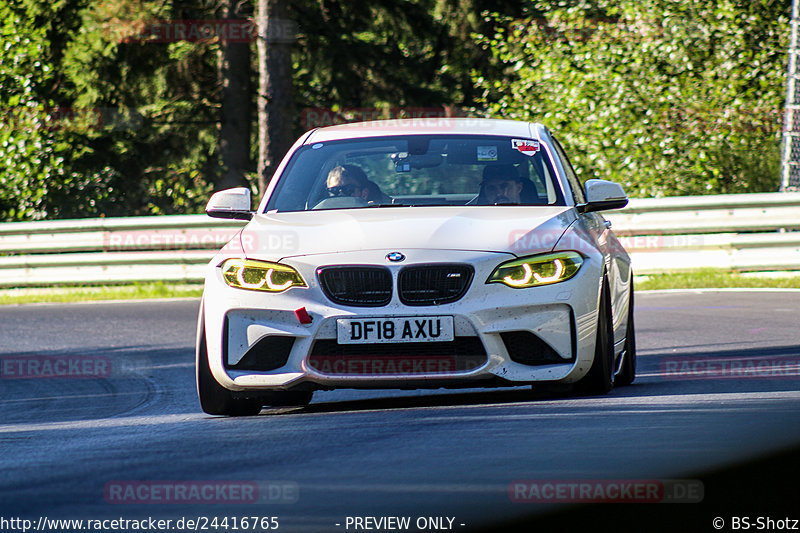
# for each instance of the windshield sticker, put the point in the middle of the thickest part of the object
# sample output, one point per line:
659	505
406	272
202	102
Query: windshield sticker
316	146
401	162
525	146
487	153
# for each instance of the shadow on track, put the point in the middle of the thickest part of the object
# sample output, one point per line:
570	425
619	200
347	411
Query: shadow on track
661	375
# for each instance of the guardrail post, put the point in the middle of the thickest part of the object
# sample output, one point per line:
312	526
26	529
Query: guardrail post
790	159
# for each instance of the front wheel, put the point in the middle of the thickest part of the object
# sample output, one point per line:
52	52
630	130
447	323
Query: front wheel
600	378
214	398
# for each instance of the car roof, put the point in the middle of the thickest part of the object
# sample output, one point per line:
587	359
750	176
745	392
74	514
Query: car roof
426	126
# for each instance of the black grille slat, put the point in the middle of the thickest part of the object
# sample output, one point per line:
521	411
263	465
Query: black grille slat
434	284
362	286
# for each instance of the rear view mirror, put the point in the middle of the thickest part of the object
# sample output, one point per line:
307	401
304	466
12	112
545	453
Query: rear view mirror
602	195
230	203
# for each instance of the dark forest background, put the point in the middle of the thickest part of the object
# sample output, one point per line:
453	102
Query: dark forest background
107	110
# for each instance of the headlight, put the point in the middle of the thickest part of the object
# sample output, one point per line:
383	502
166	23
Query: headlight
537	270
260	275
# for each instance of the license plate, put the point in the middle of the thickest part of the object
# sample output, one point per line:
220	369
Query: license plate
394	329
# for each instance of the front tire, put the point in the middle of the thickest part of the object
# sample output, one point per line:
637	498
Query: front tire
600	379
214	398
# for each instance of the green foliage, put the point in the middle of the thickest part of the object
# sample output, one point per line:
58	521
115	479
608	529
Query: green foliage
37	154
666	97
391	53
159	99
136	122
96	126
20	154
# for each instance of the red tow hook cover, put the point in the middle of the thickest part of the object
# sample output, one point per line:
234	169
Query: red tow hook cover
303	316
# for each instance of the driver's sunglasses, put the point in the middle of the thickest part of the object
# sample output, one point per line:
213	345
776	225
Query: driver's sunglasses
342	190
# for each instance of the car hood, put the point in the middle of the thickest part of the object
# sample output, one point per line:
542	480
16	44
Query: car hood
511	229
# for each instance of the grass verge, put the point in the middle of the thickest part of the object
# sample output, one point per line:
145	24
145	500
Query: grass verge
711	278
95	293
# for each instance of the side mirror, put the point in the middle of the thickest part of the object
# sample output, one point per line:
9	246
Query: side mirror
602	195
230	203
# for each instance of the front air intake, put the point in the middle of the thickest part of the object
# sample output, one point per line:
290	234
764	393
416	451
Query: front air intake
526	348
269	353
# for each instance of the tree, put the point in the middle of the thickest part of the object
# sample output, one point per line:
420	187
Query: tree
275	97
115	118
236	108
44	147
128	59
664	96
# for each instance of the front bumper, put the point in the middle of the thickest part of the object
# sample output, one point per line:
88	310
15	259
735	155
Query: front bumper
494	325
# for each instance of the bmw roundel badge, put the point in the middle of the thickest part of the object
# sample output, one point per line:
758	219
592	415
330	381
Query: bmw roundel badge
395	257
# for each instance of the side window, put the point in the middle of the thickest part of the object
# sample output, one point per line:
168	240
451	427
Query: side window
572	178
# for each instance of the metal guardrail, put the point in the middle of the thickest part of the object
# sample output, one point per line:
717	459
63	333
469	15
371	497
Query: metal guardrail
172	248
753	232
747	232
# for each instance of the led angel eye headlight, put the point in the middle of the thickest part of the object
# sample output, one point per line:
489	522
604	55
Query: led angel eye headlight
260	275
537	270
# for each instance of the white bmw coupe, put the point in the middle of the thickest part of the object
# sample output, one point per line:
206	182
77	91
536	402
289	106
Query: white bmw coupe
418	253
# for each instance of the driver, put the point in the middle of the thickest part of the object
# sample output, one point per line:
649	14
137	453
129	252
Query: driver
501	184
347	180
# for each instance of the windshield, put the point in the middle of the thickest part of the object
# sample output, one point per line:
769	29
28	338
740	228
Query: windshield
416	170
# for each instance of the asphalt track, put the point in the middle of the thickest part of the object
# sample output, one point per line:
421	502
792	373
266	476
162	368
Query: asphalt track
131	422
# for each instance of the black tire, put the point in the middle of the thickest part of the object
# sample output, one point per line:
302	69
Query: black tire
600	379
628	371
214	398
